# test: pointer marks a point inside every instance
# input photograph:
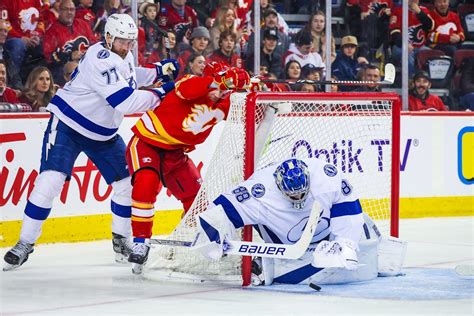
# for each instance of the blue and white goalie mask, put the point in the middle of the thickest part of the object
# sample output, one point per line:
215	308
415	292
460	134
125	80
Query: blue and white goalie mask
292	178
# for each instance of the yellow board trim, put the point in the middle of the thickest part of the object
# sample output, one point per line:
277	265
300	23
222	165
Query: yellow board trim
94	227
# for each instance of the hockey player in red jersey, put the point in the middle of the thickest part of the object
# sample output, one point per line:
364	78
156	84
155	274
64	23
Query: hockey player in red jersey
156	154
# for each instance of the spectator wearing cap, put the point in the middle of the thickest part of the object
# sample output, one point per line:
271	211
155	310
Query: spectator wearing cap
317	26
13	76
346	65
311	72
199	43
6	94
179	17
266	5
369	72
153	32
225	54
270	58
420	98
270	21
447	32
301	51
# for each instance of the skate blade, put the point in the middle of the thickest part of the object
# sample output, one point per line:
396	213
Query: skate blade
120	258
10	267
137	268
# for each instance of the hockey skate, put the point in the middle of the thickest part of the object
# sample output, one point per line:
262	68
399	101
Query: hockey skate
18	255
139	256
122	247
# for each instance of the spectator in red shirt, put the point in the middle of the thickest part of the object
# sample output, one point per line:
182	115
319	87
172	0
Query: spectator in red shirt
225	54
6	94
84	12
179	17
420	98
447	33
66	40
199	42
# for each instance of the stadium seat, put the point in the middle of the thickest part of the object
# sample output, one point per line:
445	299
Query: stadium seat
423	56
459	58
460	55
441	71
466	15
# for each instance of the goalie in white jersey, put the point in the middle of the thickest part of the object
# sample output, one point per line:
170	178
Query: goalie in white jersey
85	117
278	200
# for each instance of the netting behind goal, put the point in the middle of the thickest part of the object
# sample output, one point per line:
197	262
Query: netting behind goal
359	133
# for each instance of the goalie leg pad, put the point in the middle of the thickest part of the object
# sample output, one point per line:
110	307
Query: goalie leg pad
146	187
181	177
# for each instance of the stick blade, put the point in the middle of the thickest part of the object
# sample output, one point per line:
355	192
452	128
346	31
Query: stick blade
389	73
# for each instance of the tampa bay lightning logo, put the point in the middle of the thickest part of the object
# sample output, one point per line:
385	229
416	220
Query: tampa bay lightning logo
258	190
330	170
103	54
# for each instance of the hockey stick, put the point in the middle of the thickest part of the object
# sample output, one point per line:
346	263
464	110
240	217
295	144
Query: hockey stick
268	250
388	80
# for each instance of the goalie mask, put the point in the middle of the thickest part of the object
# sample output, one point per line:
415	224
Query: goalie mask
292	178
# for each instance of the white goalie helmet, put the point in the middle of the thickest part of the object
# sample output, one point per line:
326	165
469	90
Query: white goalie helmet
121	26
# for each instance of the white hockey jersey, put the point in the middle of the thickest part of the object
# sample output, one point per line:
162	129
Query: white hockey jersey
258	201
102	89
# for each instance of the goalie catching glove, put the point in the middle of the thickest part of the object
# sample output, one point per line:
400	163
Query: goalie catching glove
235	79
340	253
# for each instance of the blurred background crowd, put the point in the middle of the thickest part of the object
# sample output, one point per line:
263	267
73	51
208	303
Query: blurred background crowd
41	42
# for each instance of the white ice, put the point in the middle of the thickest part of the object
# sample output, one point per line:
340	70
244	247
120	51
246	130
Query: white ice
83	279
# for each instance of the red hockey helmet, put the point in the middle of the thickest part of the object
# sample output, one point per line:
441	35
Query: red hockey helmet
214	68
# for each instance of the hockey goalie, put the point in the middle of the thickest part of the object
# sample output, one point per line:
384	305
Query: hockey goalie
278	200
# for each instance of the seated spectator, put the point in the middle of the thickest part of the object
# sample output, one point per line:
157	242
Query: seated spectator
195	65
301	51
179	17
68	69
6	94
369	72
420	24
39	89
293	70
420	98
26	35
66	40
346	66
270	21
153	32
311	72
317	26
307	87
13	77
225	54
334	87
466	101
199	43
84	12
225	21
270	59
266	5
447	33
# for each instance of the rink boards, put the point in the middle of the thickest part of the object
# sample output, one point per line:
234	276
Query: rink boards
436	178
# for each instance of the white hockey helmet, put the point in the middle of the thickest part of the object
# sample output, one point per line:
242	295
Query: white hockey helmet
121	26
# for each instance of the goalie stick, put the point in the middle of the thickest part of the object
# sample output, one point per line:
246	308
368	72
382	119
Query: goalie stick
268	250
389	79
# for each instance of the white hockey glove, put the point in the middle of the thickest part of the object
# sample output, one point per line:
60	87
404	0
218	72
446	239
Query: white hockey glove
340	253
167	69
210	249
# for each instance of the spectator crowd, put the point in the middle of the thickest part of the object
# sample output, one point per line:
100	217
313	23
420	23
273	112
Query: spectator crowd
41	42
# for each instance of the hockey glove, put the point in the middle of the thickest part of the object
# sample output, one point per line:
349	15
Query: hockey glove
167	69
340	253
163	90
235	79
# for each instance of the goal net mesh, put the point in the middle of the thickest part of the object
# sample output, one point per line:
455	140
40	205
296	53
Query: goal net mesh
355	135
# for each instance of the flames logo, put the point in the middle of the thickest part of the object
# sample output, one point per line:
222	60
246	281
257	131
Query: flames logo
29	19
416	35
80	43
201	119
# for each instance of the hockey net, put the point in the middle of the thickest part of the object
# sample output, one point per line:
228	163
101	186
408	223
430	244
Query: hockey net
357	132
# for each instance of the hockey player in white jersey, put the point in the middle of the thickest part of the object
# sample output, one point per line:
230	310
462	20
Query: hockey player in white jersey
278	200
85	117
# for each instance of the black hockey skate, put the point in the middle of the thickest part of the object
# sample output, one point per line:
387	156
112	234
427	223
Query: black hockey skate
138	257
122	247
18	255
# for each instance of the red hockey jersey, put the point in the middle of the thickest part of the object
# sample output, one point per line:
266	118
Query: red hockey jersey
184	118
169	18
25	17
416	35
444	27
376	6
67	39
